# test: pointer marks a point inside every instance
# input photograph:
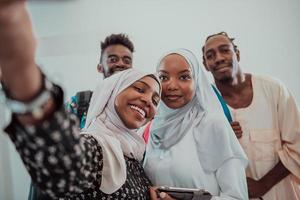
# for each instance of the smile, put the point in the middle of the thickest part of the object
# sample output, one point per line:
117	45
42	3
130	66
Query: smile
172	97
140	111
222	68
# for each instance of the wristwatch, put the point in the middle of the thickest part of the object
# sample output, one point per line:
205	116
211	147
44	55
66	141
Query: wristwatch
35	106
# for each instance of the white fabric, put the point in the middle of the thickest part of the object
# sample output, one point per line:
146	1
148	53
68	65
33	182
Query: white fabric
194	146
5	116
271	132
115	139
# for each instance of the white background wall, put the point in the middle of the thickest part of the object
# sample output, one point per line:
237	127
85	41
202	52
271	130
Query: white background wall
266	31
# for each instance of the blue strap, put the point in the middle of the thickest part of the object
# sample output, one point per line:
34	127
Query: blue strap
223	103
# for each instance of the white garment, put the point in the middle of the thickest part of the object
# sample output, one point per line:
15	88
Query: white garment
5	116
115	139
194	146
271	132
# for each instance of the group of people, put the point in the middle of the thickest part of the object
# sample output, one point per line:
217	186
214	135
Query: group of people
189	140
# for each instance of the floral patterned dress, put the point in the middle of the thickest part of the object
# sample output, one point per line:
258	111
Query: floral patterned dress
67	165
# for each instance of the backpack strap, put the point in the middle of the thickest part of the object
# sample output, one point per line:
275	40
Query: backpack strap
223	103
83	102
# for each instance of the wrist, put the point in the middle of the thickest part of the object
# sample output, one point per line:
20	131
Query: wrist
22	84
267	182
44	102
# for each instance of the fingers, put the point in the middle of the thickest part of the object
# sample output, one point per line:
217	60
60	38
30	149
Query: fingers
155	195
236	127
165	196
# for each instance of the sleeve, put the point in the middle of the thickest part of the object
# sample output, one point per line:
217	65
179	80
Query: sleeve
59	160
217	143
289	126
220	152
232	181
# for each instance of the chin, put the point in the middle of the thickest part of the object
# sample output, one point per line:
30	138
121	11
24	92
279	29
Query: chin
173	106
134	125
224	78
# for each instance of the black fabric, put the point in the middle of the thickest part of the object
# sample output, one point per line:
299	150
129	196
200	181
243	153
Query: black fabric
67	165
83	102
36	194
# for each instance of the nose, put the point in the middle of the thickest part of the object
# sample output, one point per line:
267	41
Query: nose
146	98
219	58
172	85
150	107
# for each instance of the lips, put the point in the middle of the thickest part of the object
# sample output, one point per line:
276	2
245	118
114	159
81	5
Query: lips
139	110
172	97
222	67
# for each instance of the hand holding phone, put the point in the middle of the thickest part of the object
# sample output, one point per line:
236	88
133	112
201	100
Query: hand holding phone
185	193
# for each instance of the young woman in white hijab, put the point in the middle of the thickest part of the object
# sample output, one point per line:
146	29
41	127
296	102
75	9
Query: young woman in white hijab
104	160
191	143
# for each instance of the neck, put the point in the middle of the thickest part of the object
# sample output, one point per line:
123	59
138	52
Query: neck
236	84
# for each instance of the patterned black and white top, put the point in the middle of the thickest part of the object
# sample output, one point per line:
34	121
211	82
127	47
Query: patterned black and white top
67	165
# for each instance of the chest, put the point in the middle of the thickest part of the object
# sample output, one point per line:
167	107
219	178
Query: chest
179	166
242	99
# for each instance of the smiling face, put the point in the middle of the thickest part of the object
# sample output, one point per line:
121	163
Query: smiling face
178	86
115	58
137	104
220	58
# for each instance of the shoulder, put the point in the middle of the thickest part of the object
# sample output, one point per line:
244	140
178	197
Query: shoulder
271	85
268	80
89	143
216	123
214	118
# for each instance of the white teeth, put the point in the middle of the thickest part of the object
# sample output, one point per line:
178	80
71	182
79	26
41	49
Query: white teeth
141	111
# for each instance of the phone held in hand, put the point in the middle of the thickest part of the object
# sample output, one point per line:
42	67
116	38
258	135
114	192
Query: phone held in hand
185	193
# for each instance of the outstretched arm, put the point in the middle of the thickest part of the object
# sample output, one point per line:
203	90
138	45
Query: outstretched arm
17	50
20	75
57	157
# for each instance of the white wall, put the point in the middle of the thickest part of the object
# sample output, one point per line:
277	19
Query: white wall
266	31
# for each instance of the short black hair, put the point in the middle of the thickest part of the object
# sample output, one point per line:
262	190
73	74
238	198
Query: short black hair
235	47
115	39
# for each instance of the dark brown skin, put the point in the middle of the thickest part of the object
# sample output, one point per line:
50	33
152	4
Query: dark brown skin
260	187
20	74
236	88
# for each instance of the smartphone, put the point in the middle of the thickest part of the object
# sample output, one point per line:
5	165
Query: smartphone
185	193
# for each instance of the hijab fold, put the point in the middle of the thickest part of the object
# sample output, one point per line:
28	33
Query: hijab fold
202	116
115	139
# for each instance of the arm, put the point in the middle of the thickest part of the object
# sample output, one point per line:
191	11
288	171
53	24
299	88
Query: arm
58	159
20	75
289	126
259	188
288	117
17	49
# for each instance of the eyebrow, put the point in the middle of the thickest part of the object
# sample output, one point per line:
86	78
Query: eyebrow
224	45
148	86
220	46
181	72
114	55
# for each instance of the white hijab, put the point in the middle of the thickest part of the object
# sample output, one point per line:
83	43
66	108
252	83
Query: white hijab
171	125
115	139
